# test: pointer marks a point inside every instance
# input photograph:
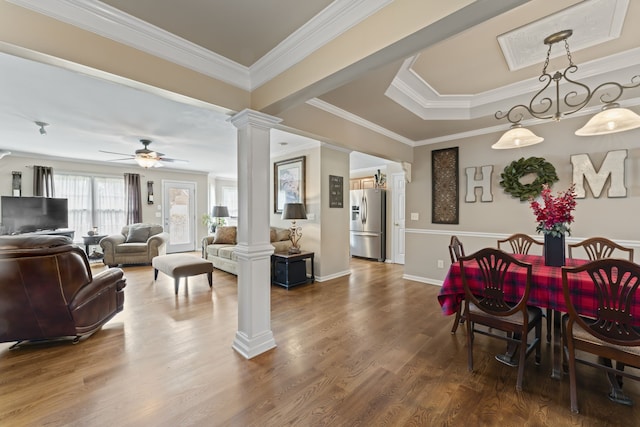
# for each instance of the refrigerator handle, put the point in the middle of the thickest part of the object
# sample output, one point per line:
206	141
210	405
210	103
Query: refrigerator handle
366	209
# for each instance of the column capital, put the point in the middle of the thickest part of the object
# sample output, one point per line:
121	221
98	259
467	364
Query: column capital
255	118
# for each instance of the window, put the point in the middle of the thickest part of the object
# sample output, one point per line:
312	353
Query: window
230	200
94	201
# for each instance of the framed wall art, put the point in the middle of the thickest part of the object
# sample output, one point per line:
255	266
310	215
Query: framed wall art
288	182
336	191
444	190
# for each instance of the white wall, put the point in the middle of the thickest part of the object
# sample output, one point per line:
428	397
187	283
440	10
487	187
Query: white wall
25	164
482	223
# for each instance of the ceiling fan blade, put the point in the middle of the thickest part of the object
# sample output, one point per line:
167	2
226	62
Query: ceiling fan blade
120	154
118	160
167	159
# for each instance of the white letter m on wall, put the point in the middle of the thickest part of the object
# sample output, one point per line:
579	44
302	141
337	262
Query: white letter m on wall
612	166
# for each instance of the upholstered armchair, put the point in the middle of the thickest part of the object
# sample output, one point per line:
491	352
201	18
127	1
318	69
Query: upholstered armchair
136	244
47	290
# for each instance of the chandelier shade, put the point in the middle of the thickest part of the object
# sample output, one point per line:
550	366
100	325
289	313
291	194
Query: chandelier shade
611	119
517	137
545	106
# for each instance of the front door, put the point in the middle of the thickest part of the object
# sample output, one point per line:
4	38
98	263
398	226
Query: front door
179	213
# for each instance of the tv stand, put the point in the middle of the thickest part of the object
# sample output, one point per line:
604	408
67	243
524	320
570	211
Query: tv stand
57	232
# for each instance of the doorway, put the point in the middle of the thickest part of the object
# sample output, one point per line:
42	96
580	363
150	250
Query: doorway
398	216
178	211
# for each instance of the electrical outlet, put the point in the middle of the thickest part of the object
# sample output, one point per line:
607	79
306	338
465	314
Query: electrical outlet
440	263
415	216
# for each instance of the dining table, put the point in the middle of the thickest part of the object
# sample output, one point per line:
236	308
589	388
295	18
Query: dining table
546	292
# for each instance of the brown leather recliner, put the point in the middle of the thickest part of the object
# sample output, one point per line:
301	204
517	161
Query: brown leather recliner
47	290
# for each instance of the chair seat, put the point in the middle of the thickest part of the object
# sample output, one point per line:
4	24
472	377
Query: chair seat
131	248
580	334
516	319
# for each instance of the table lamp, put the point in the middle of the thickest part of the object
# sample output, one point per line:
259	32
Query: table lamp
219	213
294	211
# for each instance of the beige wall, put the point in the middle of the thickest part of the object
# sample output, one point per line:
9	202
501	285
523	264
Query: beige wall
25	166
326	233
334	222
481	224
310	240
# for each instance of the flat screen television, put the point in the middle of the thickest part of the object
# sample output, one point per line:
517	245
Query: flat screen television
28	214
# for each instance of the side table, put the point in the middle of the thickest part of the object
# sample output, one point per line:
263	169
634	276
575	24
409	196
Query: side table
291	269
90	241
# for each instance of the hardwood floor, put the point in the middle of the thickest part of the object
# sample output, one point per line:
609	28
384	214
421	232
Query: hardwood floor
365	350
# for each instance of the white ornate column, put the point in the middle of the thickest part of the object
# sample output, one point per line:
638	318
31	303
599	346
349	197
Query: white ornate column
254	335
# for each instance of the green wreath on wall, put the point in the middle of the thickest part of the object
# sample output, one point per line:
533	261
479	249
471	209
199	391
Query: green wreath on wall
546	174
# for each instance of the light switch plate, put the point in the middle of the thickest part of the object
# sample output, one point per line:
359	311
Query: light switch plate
415	216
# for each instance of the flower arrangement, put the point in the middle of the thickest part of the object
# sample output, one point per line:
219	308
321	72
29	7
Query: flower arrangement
554	216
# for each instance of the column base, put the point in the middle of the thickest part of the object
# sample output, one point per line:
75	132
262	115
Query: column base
252	347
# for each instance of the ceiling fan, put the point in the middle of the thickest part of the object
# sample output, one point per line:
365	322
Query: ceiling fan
145	157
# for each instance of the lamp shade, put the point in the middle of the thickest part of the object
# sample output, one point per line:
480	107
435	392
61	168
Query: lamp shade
220	212
611	119
294	211
516	137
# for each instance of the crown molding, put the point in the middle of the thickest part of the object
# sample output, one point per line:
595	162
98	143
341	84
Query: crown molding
104	20
412	92
334	20
339	112
503	127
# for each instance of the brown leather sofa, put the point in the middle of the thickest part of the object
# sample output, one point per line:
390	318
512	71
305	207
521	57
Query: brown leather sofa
47	290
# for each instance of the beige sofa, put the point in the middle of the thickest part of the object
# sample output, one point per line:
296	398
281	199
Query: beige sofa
136	244
220	248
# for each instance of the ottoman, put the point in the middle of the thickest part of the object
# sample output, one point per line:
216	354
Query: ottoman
181	265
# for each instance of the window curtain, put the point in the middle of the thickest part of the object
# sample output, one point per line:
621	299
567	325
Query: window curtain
43	181
93	201
133	195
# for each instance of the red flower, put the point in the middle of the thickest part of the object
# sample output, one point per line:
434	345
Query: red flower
555	215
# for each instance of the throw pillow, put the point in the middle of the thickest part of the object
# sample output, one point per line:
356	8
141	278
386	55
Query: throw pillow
283	234
273	235
225	235
138	234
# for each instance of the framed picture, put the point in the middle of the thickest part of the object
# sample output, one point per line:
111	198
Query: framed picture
444	186
336	191
288	185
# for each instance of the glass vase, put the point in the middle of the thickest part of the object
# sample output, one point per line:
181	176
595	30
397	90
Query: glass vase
554	250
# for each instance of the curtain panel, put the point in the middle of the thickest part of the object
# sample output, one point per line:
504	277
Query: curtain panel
133	194
43	181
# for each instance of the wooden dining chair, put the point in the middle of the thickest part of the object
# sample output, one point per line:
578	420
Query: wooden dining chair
610	335
520	243
487	306
600	247
456	251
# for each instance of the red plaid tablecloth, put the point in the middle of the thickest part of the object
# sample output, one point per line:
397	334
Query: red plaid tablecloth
546	287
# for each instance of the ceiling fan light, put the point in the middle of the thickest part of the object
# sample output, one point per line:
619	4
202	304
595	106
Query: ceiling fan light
611	119
517	137
146	162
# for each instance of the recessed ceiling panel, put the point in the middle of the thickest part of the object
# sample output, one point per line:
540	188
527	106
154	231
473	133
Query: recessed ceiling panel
593	22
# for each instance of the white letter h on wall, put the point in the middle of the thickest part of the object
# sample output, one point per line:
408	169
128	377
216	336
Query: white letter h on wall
484	183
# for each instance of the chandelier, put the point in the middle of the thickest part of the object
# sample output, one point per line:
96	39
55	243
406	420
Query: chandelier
611	119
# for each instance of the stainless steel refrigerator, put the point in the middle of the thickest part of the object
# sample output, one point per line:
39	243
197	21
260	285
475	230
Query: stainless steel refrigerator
368	223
